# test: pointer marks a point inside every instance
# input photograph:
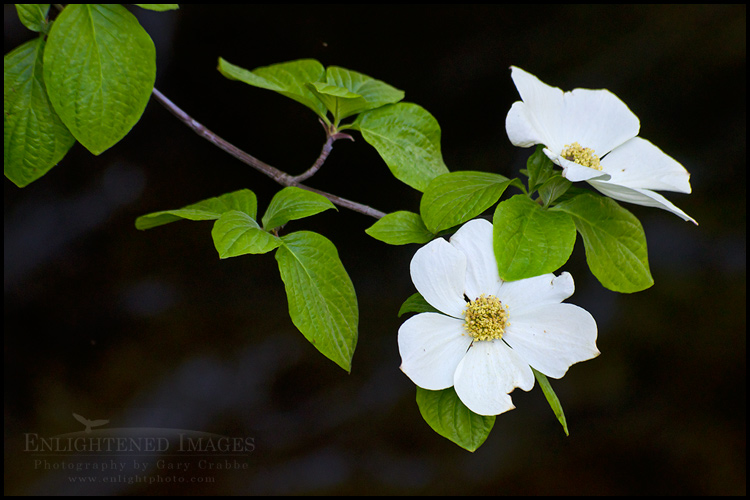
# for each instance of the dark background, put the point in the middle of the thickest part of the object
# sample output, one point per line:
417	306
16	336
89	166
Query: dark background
150	329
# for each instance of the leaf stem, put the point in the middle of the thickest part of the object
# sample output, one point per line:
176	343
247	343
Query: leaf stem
274	173
331	136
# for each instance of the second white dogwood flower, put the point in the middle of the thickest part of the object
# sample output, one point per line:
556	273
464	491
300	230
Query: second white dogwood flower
592	135
489	332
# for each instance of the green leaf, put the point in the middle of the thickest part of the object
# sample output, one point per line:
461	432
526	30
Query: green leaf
450	418
346	93
539	168
329	92
236	233
530	240
407	137
337	100
243	200
553	188
34	16
34	137
322	302
457	197
416	304
289	79
158	7
400	228
292	203
614	240
99	67
554	403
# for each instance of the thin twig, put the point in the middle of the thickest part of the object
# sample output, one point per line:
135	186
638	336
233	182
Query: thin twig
274	173
331	136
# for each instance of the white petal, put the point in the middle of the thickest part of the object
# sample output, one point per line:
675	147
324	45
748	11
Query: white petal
431	346
487	374
553	337
474	239
575	172
638	196
531	293
543	108
640	164
438	271
520	126
596	119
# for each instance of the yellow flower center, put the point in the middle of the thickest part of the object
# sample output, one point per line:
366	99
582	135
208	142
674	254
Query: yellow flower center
583	156
486	318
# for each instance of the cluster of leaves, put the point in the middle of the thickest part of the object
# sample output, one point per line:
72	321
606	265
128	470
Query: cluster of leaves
322	302
405	135
86	78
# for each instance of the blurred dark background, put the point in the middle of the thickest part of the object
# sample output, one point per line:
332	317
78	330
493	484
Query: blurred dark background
150	329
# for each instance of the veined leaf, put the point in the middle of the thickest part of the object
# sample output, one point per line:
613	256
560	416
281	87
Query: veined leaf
457	197
346	92
553	188
289	79
450	418
530	240
99	68
614	240
236	233
407	137
34	16
242	200
322	301
400	228
292	203
539	168
34	137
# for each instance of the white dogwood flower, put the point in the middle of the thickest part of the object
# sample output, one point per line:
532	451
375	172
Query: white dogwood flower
592	135
489	332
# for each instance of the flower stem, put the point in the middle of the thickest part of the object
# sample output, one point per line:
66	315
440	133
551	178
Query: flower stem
274	173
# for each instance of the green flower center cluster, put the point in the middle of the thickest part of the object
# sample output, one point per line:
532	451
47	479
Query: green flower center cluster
486	318
583	156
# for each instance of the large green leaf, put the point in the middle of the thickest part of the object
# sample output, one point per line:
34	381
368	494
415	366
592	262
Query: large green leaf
292	203
346	92
289	79
34	137
407	137
400	228
99	68
322	302
242	200
450	418
530	240
614	240
236	233
457	197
